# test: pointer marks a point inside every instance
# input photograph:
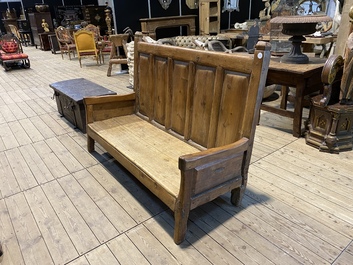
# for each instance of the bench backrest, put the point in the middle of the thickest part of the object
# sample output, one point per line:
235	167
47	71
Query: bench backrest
208	98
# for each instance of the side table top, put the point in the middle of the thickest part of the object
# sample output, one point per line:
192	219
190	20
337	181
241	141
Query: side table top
79	88
301	69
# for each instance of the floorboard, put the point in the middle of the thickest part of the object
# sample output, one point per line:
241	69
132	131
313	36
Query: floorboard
60	204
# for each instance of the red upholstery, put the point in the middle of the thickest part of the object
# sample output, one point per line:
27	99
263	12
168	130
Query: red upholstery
9	47
11	53
13	56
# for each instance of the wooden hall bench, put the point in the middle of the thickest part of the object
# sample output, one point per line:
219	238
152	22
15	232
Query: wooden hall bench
187	131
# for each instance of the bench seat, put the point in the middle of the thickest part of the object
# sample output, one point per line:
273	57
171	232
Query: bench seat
140	141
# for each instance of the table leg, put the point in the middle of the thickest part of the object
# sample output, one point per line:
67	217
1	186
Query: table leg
298	109
284	93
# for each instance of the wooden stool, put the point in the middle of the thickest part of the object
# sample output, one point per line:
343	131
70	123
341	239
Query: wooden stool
118	41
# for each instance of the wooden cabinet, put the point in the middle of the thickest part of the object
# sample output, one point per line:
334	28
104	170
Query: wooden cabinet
35	19
9	21
95	15
210	16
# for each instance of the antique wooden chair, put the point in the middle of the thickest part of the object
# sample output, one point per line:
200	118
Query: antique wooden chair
95	30
86	45
103	46
11	53
65	40
118	41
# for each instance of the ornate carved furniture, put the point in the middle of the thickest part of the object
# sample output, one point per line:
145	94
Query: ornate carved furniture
11	53
96	15
187	131
35	19
86	45
330	122
95	30
65	41
69	96
103	46
118	41
150	25
24	29
331	114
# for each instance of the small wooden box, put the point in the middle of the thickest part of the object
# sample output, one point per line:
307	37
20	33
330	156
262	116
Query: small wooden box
69	96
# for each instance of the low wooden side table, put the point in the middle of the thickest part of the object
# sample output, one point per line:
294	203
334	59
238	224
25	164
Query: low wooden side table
53	42
306	78
69	96
44	40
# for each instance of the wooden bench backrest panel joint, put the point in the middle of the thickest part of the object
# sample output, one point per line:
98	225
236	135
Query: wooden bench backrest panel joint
205	106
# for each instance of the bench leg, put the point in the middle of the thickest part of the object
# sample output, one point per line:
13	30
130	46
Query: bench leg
109	71
90	144
181	216
237	195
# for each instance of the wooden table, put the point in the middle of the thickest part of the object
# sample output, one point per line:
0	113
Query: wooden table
306	78
149	25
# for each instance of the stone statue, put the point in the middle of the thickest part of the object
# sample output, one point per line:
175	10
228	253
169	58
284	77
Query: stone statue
265	13
45	25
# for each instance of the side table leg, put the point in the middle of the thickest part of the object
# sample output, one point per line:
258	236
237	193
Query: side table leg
284	92
1	253
298	109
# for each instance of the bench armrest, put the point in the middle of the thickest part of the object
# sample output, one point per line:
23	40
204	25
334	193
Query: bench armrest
106	107
210	173
192	161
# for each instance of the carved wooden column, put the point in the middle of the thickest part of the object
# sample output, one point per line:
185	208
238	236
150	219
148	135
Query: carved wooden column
108	20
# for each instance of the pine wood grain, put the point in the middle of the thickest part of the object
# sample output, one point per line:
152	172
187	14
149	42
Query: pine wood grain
9	184
10	246
64	155
20	169
101	255
126	252
100	225
30	240
127	200
111	208
19	133
52	162
56	238
79	232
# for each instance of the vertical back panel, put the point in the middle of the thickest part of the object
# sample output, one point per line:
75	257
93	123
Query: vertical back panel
232	106
160	75
202	104
179	96
146	92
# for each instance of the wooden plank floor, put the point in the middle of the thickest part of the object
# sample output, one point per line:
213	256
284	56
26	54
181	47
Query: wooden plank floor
60	204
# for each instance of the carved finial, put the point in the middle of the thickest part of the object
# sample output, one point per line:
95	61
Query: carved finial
351	14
